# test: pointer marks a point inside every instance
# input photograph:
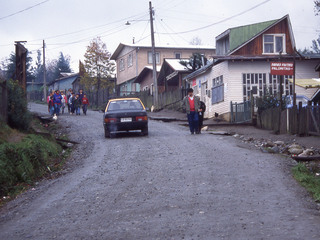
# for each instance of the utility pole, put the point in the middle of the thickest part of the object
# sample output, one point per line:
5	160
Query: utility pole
154	63
44	74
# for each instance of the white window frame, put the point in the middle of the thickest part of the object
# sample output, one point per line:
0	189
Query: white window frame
130	59
150	57
121	64
274	43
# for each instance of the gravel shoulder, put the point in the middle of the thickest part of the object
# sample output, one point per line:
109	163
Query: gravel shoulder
169	185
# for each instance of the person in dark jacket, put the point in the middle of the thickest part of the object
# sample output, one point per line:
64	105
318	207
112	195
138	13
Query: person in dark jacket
77	104
51	106
202	110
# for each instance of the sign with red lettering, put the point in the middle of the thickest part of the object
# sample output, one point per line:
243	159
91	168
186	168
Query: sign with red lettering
194	82
282	68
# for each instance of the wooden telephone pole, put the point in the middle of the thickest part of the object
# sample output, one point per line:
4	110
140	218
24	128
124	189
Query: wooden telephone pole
154	63
44	74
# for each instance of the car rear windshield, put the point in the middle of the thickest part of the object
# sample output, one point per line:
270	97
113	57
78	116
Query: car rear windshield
125	105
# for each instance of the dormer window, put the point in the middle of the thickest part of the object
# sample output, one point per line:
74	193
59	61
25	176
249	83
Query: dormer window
274	43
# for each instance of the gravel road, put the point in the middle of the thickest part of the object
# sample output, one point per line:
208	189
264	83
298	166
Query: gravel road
169	185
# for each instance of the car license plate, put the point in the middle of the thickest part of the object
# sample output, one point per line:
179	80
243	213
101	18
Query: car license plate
126	119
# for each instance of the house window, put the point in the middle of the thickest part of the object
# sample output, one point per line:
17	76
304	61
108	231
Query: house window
150	58
177	55
274	43
130	60
217	90
121	64
256	85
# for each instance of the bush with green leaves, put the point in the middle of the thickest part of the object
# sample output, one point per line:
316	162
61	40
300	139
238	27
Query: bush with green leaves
268	101
25	161
18	115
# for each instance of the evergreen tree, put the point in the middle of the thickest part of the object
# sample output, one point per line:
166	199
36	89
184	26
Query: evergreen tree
63	66
9	67
195	62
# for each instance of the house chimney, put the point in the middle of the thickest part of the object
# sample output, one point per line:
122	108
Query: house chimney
133	40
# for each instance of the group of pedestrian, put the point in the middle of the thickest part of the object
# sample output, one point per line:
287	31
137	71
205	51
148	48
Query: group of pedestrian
57	101
195	111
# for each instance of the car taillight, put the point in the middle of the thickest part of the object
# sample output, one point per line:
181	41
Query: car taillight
141	118
110	120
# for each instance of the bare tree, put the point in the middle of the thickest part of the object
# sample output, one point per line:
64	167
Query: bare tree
196	41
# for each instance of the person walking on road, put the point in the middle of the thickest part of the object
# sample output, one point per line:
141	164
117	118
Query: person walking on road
51	106
201	112
85	104
64	101
191	104
57	102
77	104
69	94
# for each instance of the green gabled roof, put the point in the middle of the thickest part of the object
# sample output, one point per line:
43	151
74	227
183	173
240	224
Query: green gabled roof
242	34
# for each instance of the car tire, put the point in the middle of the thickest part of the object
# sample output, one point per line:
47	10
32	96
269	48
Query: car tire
106	133
144	131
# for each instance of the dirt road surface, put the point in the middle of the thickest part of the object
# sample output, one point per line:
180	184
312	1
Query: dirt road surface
169	185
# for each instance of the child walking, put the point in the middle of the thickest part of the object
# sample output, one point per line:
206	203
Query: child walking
77	104
85	104
51	106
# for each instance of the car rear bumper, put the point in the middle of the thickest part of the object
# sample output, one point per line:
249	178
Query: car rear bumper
125	126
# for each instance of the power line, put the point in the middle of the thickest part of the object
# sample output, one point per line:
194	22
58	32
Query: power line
224	20
23	10
90	28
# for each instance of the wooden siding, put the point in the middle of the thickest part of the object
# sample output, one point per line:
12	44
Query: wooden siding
233	82
255	47
140	59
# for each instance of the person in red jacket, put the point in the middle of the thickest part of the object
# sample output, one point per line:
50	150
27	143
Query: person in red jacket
85	104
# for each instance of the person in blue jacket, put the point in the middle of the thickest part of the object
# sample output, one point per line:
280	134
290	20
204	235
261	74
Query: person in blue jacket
57	102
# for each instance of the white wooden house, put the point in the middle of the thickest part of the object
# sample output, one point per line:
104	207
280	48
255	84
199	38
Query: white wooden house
241	68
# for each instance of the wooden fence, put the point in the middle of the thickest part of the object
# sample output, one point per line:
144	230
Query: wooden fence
301	120
169	99
35	95
3	101
240	112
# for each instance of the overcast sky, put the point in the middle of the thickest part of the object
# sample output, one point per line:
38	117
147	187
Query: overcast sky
68	25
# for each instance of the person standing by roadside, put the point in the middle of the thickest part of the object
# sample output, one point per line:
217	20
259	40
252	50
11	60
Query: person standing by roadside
57	102
85	104
191	104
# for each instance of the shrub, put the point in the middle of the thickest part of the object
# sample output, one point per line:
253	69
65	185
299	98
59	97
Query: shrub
18	115
308	180
25	161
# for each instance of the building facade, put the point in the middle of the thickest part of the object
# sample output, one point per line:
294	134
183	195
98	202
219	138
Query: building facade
132	59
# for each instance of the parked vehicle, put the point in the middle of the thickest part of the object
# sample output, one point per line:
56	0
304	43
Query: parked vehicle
125	114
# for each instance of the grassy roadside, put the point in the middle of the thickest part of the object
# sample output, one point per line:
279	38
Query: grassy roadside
25	158
308	178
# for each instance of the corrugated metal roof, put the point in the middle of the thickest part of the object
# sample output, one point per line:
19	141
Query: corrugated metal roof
239	35
308	83
176	65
